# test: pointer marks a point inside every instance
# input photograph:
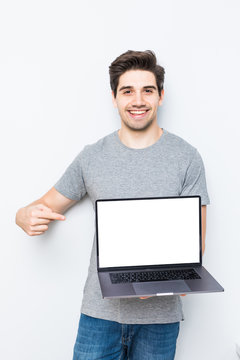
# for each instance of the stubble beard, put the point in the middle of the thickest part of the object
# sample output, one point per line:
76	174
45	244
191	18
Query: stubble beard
136	128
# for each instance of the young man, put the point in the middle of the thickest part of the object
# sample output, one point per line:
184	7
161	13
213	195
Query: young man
139	160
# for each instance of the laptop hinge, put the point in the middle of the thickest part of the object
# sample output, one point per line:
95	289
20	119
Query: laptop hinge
150	267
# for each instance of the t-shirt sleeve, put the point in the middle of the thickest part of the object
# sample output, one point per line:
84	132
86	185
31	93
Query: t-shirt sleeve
71	184
195	181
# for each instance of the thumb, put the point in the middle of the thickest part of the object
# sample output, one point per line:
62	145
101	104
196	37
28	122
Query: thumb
43	207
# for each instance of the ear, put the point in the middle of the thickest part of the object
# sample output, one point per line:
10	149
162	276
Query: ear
161	98
114	100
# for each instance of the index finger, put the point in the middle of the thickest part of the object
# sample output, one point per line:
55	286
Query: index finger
51	215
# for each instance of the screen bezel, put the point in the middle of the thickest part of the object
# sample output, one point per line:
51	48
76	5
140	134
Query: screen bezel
143	267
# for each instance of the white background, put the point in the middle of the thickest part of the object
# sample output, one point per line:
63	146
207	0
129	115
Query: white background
55	98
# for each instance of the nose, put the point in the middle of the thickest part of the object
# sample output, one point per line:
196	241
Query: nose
138	100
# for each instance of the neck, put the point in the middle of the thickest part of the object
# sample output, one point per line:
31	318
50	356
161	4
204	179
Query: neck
138	139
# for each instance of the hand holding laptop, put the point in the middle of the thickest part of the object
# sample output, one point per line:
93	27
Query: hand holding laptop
147	297
151	247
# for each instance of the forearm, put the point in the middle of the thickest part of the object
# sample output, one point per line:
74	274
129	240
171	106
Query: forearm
204	215
55	201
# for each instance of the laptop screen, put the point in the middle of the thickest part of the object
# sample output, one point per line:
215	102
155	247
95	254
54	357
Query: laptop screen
157	231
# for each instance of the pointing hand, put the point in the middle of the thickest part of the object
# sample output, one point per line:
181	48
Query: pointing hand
34	219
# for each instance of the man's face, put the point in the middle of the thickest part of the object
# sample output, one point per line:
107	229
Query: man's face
137	99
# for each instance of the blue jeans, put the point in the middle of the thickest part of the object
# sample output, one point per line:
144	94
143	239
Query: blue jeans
108	340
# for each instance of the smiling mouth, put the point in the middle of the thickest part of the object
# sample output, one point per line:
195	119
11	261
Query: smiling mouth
137	114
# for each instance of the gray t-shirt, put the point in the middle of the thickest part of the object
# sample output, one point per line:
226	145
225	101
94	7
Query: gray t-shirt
109	169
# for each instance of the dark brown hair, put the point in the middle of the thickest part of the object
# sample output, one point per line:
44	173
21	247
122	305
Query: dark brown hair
135	60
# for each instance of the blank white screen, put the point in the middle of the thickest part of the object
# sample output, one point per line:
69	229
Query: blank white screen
148	232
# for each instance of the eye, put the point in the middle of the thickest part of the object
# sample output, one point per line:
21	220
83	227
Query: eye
148	91
127	92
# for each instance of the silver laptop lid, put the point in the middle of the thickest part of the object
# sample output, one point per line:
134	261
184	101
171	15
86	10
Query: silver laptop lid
148	232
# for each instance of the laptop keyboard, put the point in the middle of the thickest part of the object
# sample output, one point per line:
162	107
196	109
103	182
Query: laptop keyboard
162	275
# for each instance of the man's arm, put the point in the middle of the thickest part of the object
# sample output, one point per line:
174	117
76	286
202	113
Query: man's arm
204	217
35	217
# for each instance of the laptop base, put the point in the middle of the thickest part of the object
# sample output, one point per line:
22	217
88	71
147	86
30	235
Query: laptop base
206	284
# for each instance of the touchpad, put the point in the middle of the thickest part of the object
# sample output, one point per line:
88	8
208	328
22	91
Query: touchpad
150	288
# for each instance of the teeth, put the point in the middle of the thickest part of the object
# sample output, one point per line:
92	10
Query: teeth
137	112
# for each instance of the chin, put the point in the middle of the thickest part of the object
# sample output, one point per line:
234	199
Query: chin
139	127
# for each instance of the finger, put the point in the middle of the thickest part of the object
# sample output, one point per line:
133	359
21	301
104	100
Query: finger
34	233
37	228
39	221
54	216
43	207
145	297
50	215
43	221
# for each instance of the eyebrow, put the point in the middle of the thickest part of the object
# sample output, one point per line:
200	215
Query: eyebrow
131	87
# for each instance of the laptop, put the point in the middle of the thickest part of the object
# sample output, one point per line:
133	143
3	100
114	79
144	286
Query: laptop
151	247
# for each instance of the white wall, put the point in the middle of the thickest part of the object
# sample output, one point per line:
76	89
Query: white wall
55	98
